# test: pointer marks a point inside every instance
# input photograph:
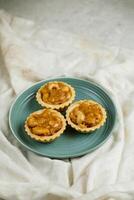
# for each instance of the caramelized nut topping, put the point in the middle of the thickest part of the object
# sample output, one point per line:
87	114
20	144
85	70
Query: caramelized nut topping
55	93
40	131
46	123
86	115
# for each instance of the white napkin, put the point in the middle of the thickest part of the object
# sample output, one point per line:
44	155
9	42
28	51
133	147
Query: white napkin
30	54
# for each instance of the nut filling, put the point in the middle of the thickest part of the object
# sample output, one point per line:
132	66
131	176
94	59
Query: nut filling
44	124
86	115
55	93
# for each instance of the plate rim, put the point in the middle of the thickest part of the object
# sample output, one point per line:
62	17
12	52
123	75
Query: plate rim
63	156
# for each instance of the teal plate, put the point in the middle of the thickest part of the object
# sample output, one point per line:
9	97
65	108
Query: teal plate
71	143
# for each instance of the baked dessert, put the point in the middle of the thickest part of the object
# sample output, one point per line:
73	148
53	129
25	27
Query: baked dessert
85	115
55	95
45	125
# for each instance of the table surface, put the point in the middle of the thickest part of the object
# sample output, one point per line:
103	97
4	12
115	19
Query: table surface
110	21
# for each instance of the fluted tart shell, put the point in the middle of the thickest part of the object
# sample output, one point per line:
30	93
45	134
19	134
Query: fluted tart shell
86	115
55	95
45	125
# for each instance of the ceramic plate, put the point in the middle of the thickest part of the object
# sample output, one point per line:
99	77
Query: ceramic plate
71	143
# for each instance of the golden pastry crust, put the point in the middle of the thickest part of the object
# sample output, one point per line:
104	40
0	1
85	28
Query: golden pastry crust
86	115
56	95
45	125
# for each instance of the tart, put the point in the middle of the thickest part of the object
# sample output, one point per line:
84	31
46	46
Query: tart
55	95
45	125
86	115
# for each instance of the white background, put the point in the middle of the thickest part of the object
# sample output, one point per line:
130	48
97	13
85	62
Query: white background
110	21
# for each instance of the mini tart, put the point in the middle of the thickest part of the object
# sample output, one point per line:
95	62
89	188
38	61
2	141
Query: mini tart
86	115
45	125
55	95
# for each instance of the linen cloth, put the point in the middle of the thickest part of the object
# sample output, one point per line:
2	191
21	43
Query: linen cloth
30	54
